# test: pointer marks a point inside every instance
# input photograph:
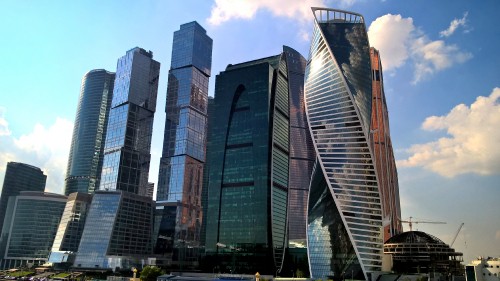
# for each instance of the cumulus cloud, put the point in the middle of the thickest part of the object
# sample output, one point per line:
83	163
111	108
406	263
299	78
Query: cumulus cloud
226	10
456	23
4	125
472	133
399	42
44	147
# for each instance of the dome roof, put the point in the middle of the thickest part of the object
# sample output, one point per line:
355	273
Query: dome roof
414	237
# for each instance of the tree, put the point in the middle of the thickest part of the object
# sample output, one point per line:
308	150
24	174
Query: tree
150	273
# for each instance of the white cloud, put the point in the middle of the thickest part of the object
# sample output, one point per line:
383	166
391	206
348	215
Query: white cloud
226	10
454	25
46	148
470	147
399	42
4	125
392	34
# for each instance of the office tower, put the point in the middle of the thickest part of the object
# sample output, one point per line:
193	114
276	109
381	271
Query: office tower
206	169
345	213
87	146
382	151
302	153
30	226
20	177
117	232
128	134
249	159
70	229
181	165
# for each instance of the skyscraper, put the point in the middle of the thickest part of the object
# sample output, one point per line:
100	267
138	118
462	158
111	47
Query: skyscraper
383	152
20	177
128	134
87	146
249	156
302	155
30	226
118	229
345	210
181	165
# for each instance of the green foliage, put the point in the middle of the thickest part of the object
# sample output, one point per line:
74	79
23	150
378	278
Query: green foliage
299	273
61	275
21	273
150	273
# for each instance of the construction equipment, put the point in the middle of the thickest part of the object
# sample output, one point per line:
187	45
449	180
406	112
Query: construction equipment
410	222
456	235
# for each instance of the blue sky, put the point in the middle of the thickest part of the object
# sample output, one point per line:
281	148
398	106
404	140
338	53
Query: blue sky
441	70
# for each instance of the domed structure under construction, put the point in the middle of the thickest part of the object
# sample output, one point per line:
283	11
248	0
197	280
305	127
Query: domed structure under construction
419	252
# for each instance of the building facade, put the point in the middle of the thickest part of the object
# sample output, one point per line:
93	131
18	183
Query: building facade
383	152
87	146
70	229
181	166
117	231
302	155
30	227
130	125
249	155
20	177
344	225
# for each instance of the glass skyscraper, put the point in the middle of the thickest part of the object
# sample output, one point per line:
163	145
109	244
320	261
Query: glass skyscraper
87	146
128	135
30	227
20	177
344	226
383	152
181	165
249	155
302	153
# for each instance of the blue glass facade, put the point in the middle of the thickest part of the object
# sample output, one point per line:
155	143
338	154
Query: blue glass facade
249	158
181	165
87	145
70	228
117	231
19	177
128	135
344	226
32	223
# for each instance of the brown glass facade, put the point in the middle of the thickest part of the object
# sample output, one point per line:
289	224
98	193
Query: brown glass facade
383	152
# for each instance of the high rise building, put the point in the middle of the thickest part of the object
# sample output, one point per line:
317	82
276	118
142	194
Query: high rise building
181	166
249	155
118	229
130	125
30	227
87	146
302	155
20	177
117	233
382	151
345	210
70	229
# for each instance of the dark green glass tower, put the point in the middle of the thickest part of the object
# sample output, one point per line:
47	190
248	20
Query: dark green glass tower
249	156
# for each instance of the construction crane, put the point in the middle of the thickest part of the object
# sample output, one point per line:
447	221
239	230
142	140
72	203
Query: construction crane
410	222
456	235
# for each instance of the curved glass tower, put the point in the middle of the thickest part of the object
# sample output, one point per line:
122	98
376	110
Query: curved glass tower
344	227
87	145
251	153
